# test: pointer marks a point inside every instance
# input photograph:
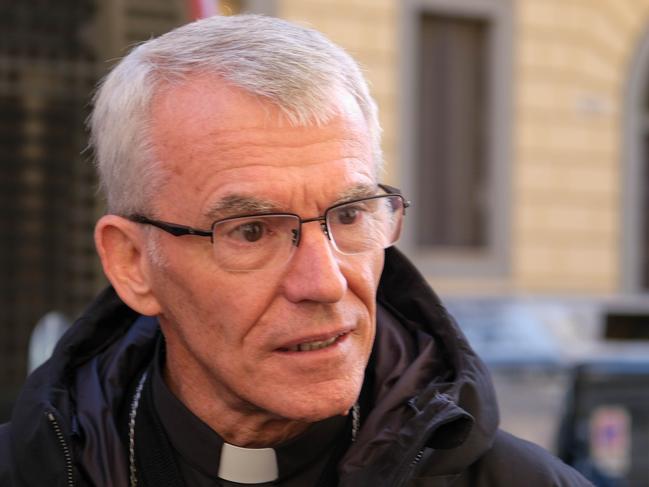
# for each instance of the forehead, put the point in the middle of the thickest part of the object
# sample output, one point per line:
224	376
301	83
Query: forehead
219	141
208	106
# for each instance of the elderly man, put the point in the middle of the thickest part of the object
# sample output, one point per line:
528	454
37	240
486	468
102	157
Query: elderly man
257	331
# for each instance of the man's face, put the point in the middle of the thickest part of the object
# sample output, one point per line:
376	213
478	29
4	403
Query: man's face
230	334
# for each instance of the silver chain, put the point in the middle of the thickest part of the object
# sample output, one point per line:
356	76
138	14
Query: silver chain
356	424
356	421
131	430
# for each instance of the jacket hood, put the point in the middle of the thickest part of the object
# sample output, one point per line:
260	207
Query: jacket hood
67	405
431	395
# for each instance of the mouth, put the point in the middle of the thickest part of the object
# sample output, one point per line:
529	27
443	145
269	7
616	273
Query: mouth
310	346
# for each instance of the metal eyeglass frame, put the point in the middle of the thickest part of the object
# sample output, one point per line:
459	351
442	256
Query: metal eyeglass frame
181	230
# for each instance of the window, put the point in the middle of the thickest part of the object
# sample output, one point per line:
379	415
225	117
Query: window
456	99
451	147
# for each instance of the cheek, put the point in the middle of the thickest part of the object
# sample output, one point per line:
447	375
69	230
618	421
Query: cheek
210	301
363	273
237	301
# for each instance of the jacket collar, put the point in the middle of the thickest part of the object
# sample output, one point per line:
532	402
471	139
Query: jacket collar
438	395
439	399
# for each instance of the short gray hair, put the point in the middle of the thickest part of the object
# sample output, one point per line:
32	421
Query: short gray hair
294	67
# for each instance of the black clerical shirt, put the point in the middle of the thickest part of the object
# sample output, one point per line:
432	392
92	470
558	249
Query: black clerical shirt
309	459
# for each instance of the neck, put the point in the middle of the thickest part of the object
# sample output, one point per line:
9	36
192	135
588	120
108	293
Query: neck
236	421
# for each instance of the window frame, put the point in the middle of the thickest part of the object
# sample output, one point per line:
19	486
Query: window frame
494	260
635	128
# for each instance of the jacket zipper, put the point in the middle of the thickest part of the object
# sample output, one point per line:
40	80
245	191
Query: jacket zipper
407	472
404	476
420	455
64	447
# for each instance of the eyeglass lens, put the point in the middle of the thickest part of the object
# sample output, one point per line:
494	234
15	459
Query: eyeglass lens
251	243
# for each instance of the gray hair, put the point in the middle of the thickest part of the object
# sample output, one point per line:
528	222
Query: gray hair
294	67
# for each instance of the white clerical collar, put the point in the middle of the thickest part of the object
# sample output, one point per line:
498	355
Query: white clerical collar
259	465
248	465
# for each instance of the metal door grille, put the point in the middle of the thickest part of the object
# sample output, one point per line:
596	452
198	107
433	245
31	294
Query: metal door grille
52	53
47	69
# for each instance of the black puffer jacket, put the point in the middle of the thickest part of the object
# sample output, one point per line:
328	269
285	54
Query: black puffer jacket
433	421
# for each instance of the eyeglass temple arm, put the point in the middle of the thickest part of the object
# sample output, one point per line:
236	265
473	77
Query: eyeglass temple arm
175	230
396	191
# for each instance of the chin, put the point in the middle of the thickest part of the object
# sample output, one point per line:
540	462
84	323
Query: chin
312	406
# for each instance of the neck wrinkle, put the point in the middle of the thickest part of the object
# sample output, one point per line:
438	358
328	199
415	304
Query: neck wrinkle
241	425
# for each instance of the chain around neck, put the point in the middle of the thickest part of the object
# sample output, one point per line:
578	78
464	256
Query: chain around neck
356	422
131	430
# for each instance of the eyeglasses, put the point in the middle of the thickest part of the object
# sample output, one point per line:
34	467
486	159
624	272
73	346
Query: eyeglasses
253	242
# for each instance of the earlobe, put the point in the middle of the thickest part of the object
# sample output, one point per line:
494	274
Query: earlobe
121	248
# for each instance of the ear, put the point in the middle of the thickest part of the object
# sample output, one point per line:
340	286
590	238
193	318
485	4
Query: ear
122	250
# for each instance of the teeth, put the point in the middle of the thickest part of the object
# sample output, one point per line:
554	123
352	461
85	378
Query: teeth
309	346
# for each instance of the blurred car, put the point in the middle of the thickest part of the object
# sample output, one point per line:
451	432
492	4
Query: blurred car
572	374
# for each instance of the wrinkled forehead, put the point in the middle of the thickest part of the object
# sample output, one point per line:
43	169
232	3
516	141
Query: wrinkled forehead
199	98
206	129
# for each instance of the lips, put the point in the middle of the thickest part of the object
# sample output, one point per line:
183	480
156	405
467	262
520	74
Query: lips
309	345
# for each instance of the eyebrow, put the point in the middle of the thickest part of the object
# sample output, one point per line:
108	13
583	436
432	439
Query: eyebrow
357	192
236	204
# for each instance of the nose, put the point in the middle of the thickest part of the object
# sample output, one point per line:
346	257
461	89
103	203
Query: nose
314	274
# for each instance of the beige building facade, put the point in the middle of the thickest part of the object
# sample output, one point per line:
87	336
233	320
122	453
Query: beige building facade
551	105
518	128
567	117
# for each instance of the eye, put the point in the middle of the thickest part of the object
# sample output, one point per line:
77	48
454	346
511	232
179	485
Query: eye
348	215
250	232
